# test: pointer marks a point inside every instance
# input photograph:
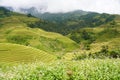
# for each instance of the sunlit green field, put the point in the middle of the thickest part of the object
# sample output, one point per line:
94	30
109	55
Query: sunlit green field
18	53
89	69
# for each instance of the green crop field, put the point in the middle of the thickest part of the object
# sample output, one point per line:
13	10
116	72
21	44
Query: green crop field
18	53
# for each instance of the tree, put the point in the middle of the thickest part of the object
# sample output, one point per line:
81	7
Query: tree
29	15
104	49
85	35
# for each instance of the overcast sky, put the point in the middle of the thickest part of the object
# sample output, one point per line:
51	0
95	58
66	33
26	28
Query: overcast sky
102	6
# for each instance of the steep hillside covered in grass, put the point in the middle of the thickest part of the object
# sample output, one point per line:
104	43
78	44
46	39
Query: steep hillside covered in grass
14	29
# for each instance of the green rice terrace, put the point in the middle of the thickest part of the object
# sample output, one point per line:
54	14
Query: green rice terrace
35	49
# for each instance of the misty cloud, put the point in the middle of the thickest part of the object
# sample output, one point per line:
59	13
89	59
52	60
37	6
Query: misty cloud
106	6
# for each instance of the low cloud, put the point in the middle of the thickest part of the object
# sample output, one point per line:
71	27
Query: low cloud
102	6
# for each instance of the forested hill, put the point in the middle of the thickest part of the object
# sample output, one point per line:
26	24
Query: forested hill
60	17
65	23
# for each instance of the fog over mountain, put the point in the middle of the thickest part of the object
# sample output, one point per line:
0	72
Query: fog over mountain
54	6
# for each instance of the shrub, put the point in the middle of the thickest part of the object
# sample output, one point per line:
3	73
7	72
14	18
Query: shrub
29	15
102	54
19	39
114	54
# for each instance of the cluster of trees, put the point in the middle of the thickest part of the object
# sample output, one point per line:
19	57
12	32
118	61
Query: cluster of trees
19	39
103	53
4	12
88	36
83	36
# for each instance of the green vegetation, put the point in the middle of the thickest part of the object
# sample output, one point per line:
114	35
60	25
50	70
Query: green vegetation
65	23
89	51
83	35
88	37
89	69
102	54
4	12
15	29
18	53
49	42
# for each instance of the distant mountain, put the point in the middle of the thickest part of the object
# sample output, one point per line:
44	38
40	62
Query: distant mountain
65	23
9	8
54	17
59	17
4	12
31	10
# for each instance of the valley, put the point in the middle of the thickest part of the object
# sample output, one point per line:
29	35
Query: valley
77	45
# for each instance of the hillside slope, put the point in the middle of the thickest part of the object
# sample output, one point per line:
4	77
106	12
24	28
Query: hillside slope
94	38
19	53
14	29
